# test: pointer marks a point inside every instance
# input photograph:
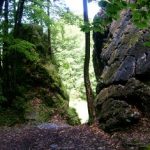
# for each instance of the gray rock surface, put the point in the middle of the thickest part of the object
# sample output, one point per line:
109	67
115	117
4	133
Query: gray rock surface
122	68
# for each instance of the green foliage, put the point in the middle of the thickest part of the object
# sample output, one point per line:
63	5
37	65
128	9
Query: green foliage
140	14
72	117
46	97
35	76
147	147
103	3
86	27
70	62
147	44
9	117
112	9
58	29
37	112
71	19
24	48
44	113
140	11
36	13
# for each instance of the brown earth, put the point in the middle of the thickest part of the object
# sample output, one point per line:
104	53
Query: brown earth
57	136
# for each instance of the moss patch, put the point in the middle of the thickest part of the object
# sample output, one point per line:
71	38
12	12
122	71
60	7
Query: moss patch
72	117
106	76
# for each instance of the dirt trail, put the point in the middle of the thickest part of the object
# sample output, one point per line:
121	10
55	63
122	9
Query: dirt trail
60	136
56	137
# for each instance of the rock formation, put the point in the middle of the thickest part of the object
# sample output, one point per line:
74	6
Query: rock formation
122	69
39	92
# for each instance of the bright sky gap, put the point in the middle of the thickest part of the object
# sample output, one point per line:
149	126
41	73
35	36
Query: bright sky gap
77	7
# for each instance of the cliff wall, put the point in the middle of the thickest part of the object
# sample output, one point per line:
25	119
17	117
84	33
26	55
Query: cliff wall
122	69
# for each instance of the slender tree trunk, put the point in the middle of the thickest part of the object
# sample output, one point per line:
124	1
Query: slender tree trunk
49	30
1	42
7	80
14	9
89	92
18	18
12	76
17	30
1	6
4	30
5	27
6	18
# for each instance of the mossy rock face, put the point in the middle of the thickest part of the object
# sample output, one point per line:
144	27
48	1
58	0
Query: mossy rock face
49	94
125	55
122	69
72	117
117	114
119	106
39	91
45	75
34	34
37	111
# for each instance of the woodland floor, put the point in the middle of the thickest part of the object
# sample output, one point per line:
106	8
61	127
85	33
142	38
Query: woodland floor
57	136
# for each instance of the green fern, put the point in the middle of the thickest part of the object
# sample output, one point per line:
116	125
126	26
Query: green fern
25	48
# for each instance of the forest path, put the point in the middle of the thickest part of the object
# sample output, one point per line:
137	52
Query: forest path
60	136
51	136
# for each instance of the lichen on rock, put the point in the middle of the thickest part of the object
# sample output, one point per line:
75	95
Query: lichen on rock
123	91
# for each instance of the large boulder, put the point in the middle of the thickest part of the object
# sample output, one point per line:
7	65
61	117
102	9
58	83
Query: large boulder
122	68
38	94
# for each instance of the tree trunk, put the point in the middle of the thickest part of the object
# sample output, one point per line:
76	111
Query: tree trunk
6	18
1	42
89	92
49	30
1	6
5	31
18	17
14	9
10	68
7	80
